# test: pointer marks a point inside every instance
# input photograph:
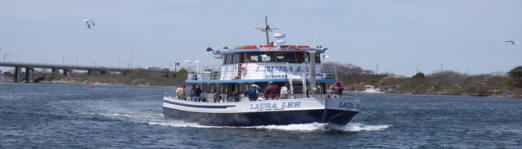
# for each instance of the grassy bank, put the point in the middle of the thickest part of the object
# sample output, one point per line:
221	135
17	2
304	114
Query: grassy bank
132	78
441	83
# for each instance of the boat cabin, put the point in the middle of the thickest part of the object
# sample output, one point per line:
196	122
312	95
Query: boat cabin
243	66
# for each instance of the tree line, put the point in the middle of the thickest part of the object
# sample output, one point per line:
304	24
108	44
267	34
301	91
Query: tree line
447	82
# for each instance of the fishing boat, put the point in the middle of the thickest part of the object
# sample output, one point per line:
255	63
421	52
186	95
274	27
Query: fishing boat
221	99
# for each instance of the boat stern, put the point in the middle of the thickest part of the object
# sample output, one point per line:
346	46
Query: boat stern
341	110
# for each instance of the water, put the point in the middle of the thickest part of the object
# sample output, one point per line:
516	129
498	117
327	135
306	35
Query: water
75	116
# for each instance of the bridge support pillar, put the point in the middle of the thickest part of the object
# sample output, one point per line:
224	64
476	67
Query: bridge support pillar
89	72
54	70
17	74
104	72
28	77
66	72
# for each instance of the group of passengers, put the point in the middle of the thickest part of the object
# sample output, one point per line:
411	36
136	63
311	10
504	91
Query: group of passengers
194	92
271	92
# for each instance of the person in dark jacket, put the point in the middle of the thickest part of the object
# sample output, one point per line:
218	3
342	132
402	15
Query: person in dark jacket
195	92
252	92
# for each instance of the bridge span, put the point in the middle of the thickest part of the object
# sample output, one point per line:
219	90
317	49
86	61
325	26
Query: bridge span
67	69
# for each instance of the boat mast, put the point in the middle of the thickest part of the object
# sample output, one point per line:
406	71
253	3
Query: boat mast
267	29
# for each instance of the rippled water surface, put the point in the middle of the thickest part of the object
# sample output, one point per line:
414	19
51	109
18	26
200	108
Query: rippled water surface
75	116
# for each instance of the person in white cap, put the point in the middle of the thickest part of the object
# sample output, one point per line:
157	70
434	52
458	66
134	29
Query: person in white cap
252	92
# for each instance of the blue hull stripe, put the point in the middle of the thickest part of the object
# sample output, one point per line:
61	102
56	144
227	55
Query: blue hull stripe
262	118
200	106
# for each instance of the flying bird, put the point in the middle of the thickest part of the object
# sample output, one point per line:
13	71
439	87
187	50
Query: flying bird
89	23
512	42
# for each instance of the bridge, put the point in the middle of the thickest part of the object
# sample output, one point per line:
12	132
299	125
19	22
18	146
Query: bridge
67	69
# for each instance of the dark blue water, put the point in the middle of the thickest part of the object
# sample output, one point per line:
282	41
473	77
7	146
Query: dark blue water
74	116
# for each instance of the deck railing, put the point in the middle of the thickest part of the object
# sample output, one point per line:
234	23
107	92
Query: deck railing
221	98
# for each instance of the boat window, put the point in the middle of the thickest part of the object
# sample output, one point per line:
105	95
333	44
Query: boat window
253	57
285	57
244	58
265	57
301	57
228	59
235	58
240	58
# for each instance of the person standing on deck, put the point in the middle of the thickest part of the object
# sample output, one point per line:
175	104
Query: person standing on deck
337	88
284	91
272	91
180	92
252	92
195	93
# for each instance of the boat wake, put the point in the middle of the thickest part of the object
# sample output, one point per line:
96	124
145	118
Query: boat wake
157	119
309	127
351	127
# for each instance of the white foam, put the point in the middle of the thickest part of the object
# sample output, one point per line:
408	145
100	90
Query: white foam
355	127
309	127
351	127
294	127
176	123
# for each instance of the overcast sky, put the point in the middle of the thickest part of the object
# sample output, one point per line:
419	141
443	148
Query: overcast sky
400	36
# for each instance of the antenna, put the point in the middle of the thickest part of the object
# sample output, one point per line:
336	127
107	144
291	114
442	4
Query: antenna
267	29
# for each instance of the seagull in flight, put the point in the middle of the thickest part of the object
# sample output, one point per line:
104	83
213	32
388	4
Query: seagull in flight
512	42
89	23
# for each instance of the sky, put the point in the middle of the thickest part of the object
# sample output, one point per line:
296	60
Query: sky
401	36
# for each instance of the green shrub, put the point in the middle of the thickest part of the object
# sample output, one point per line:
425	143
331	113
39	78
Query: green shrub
515	77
